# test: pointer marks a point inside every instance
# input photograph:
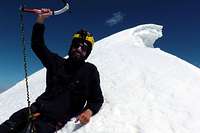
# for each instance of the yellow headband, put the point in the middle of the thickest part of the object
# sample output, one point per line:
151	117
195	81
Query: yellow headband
88	38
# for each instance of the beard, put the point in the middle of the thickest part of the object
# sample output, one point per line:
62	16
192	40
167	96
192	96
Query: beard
76	56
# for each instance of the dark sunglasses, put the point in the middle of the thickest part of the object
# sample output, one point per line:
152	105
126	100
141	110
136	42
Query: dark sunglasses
79	43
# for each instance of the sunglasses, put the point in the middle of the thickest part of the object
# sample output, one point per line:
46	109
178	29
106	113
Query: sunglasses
79	43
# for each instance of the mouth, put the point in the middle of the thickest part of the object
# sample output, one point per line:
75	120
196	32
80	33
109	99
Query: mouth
76	53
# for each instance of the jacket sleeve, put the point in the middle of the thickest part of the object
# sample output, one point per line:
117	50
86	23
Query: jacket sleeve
95	98
38	45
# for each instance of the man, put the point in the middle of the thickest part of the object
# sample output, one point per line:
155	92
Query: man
72	85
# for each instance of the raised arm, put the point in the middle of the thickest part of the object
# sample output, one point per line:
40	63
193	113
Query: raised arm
37	41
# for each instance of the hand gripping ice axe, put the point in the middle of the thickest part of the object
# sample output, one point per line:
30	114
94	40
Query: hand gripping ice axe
54	12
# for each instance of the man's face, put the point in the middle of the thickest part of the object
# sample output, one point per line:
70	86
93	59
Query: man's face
79	50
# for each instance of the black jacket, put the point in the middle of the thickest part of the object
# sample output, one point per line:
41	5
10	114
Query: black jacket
70	87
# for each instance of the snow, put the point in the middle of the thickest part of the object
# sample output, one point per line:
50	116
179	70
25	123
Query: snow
146	90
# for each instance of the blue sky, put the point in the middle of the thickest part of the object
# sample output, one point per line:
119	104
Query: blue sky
180	19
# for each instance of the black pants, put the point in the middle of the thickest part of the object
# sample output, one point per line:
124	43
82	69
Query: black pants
18	123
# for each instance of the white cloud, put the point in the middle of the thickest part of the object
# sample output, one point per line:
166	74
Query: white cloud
115	19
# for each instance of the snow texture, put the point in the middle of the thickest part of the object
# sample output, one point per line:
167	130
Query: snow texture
146	90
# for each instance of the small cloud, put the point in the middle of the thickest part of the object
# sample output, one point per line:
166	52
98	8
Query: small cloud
115	19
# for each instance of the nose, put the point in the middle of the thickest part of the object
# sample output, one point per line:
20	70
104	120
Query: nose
79	48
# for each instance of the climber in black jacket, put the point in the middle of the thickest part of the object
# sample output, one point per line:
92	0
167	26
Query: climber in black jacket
72	85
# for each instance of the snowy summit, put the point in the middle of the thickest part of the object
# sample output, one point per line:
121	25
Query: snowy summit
146	90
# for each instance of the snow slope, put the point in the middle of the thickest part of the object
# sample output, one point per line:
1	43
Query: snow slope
146	90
